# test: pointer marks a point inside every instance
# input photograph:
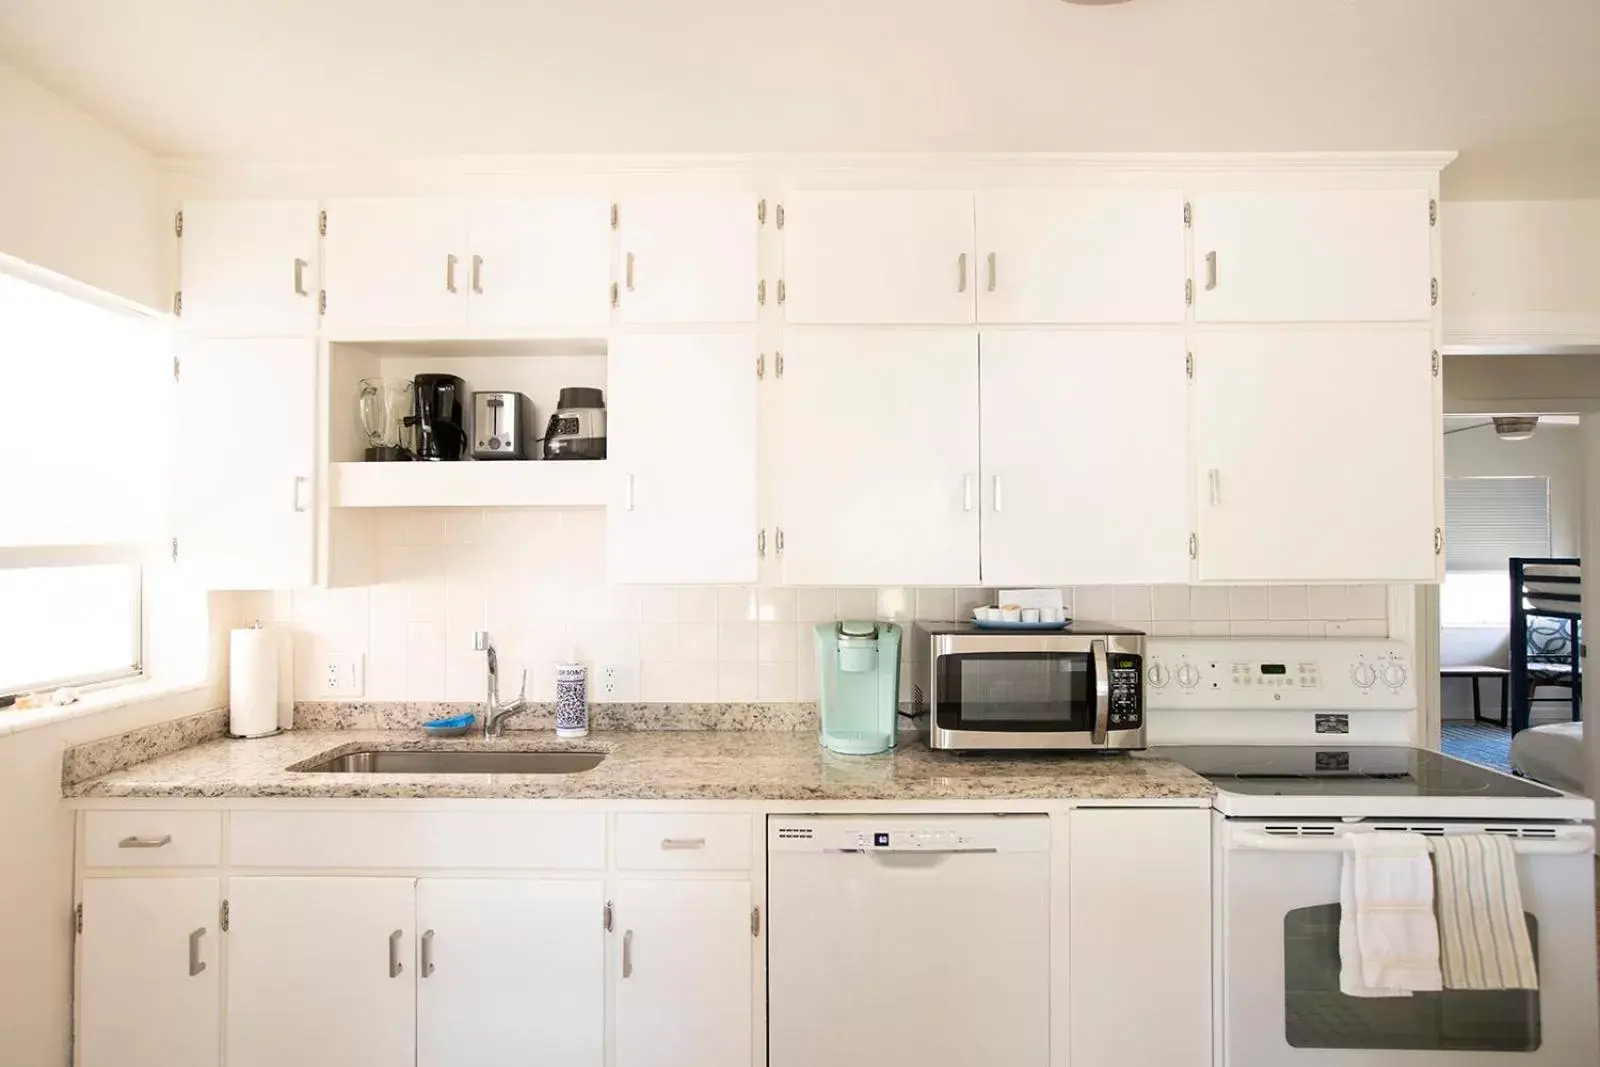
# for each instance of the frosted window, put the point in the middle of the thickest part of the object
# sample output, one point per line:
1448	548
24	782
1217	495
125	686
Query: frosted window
67	624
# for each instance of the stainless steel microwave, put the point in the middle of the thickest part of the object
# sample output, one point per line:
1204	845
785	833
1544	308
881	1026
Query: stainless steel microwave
1079	688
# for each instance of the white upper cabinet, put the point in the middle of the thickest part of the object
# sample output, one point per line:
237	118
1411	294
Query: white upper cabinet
244	483
878	457
250	265
687	258
1080	256
1085	457
540	262
681	458
396	265
894	257
1315	455
1322	256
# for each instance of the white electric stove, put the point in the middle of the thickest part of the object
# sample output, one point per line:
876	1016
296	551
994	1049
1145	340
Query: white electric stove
1310	742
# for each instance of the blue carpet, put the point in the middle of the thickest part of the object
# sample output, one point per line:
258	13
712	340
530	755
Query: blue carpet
1479	743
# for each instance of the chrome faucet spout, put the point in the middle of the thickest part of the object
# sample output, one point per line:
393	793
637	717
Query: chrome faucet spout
496	713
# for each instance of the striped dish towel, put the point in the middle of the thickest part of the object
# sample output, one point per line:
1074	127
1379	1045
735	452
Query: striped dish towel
1483	936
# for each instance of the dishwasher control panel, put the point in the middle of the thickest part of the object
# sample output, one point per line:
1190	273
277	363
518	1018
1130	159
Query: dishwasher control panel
908	833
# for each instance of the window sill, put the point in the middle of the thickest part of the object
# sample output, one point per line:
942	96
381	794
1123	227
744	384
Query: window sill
93	702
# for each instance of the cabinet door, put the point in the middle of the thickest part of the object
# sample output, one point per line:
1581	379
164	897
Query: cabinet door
510	971
247	444
540	261
879	257
1327	256
682	458
320	972
251	265
685	978
1085	457
1139	934
878	457
1081	256
148	976
396	265
1315	455
688	257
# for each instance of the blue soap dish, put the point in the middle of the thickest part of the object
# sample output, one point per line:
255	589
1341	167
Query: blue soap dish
455	726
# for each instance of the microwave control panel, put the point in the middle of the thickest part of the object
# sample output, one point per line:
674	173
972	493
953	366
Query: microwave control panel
1127	704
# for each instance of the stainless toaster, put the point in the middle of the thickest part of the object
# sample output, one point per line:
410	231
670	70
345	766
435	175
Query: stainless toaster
502	426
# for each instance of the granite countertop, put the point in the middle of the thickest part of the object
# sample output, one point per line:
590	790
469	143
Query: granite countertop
647	765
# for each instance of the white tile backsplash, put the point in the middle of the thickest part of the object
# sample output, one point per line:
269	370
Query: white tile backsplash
535	579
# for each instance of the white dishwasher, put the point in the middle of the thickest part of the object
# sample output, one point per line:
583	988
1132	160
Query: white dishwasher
921	941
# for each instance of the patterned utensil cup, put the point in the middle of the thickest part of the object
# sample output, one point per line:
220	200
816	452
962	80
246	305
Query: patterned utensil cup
572	699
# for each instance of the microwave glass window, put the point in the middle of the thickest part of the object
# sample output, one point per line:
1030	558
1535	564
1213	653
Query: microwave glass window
1317	1015
1016	691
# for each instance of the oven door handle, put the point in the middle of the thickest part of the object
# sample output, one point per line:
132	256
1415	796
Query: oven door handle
1102	693
1254	840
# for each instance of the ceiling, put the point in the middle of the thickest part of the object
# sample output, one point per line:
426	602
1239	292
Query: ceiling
1513	84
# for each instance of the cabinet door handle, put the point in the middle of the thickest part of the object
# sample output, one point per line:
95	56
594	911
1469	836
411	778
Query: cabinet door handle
427	953
395	966
627	953
679	844
196	964
627	492
997	502
1214	481
145	842
477	275
300	266
450	273
961	273
1211	270
966	492
300	480
628	276
992	274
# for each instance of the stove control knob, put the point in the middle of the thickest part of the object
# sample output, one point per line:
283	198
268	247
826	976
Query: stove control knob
1394	676
1158	675
1363	675
1188	676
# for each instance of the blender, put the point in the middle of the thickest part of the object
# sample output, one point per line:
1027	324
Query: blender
386	419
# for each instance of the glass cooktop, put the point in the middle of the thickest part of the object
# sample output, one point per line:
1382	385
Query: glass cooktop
1355	771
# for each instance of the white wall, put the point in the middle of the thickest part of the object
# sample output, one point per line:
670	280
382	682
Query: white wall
80	199
1520	272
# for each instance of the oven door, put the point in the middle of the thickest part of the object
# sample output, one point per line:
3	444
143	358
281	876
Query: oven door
1278	961
1015	691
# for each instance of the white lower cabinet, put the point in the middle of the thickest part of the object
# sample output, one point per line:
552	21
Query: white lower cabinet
510	971
320	972
148	973
685	973
1139	938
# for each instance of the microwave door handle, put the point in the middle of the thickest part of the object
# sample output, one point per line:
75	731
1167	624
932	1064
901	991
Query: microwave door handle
1102	693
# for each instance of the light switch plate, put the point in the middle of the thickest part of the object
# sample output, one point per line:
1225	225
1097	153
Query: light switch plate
341	676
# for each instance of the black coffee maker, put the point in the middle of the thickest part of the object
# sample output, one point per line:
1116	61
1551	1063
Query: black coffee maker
441	427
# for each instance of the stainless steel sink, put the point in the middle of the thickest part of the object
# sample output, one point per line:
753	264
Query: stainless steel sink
453	761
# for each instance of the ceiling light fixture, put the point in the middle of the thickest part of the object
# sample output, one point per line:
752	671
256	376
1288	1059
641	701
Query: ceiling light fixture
1515	427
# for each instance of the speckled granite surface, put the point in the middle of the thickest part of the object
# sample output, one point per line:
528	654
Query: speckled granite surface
108	754
665	765
400	715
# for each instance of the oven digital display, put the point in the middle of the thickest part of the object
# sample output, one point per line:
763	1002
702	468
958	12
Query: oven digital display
1274	668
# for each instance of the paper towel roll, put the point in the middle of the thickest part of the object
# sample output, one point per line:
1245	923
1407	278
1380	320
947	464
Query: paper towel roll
253	664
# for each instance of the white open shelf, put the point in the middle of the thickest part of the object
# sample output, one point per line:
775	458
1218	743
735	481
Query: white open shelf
569	483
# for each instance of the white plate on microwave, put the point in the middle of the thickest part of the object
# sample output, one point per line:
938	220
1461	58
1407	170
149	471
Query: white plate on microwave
998	624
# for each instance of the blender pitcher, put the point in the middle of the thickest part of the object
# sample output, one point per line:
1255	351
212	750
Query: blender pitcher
385	405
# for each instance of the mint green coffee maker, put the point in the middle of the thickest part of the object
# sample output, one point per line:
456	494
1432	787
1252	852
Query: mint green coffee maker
858	663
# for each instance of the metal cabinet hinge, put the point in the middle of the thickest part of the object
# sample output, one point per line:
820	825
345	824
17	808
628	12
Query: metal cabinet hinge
1188	213
1188	292
761	544
1433	292
177	224
783	291
761	213
177	303
1433	212
614	215
779	213
616	294
176	368
322	223
779	546
1188	366
174	550
777	364
755	921
605	917
322	301
761	292
226	916
1194	546
1435	362
1438	541
77	912
761	365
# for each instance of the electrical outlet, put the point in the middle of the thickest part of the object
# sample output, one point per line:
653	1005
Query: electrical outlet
341	676
613	682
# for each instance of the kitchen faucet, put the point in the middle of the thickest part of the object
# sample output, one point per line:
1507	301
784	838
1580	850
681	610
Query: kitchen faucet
497	712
